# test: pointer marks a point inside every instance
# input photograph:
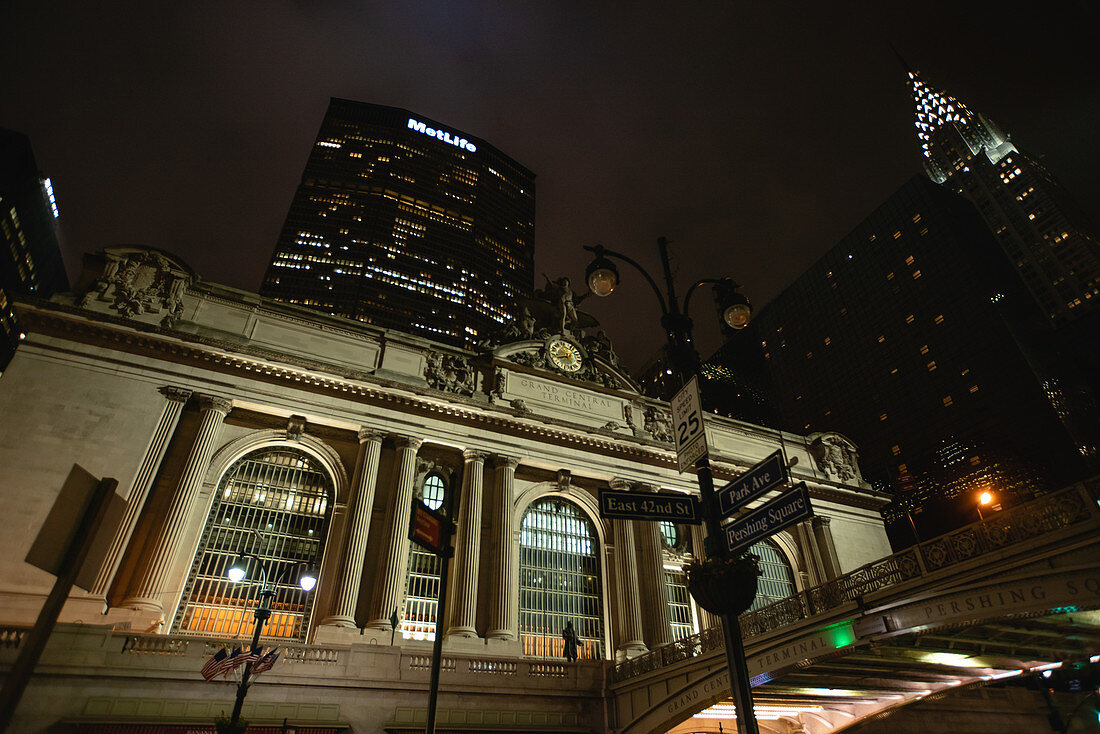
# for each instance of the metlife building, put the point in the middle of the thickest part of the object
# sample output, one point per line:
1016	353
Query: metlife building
406	223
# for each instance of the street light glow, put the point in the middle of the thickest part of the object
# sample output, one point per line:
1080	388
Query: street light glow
237	571
985	498
308	579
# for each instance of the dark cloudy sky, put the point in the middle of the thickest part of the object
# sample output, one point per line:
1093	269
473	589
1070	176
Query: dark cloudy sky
753	134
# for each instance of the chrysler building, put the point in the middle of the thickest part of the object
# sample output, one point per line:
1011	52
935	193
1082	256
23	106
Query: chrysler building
1055	251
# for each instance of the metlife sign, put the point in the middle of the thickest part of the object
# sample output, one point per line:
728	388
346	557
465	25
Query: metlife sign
446	137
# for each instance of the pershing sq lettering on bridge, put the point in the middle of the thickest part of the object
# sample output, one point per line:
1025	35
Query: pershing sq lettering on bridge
446	137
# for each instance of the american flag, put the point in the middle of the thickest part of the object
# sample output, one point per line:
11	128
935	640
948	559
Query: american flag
267	662
211	669
213	666
251	656
230	663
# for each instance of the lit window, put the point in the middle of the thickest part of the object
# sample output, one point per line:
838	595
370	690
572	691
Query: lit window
897	235
932	365
909	260
916	274
973	388
910	319
947	400
938	319
924	349
881	338
895	450
670	534
882	417
559	580
284	496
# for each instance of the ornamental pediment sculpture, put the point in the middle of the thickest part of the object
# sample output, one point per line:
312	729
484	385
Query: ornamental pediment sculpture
835	456
134	281
548	332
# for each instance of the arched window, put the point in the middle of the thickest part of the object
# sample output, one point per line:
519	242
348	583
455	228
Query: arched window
776	579
559	580
275	503
670	535
422	582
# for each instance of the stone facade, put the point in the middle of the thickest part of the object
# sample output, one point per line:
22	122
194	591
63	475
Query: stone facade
168	390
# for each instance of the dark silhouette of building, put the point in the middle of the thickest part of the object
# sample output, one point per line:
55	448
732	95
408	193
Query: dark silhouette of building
915	337
30	258
406	223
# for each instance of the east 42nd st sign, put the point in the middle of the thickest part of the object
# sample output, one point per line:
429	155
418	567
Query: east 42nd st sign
648	506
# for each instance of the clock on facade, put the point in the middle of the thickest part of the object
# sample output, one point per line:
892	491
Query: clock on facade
563	355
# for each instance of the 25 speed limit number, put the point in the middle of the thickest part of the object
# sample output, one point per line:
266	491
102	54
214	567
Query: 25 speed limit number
687	419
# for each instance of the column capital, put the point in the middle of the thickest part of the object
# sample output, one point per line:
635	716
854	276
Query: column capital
175	394
370	434
647	487
474	455
408	442
819	520
619	484
500	461
212	402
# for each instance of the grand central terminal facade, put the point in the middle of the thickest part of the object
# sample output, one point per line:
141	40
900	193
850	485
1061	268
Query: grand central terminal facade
236	424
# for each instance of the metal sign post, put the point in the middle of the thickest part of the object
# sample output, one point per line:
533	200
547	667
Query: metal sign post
75	549
432	531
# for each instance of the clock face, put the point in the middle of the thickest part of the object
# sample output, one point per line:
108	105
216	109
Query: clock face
564	355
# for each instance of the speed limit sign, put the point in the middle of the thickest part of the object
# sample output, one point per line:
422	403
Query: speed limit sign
687	426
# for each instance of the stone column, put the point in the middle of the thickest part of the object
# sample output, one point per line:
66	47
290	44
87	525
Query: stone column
629	605
814	572
164	549
651	572
362	503
467	546
824	536
502	602
706	619
395	563
174	399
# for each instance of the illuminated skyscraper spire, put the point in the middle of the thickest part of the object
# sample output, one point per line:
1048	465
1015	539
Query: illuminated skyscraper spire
1036	223
934	110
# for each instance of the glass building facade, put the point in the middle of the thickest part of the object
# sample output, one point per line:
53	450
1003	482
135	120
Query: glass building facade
406	223
30	255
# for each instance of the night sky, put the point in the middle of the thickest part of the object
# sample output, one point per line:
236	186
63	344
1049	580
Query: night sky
753	135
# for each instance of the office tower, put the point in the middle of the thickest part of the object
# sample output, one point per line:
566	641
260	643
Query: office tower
916	339
1038	226
406	223
30	258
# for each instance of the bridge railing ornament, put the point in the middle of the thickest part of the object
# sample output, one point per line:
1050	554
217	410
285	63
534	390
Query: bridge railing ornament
1046	514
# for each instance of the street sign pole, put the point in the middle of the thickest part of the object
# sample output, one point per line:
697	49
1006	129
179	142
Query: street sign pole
688	434
740	684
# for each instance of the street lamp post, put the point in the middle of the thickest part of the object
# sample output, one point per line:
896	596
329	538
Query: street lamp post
237	572
602	277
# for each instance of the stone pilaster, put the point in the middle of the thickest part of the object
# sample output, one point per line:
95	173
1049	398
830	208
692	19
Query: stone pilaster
174	400
814	571
362	503
629	605
823	534
503	602
165	545
467	545
651	576
395	562
706	619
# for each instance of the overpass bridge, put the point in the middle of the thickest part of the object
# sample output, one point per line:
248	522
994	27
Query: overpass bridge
1015	593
